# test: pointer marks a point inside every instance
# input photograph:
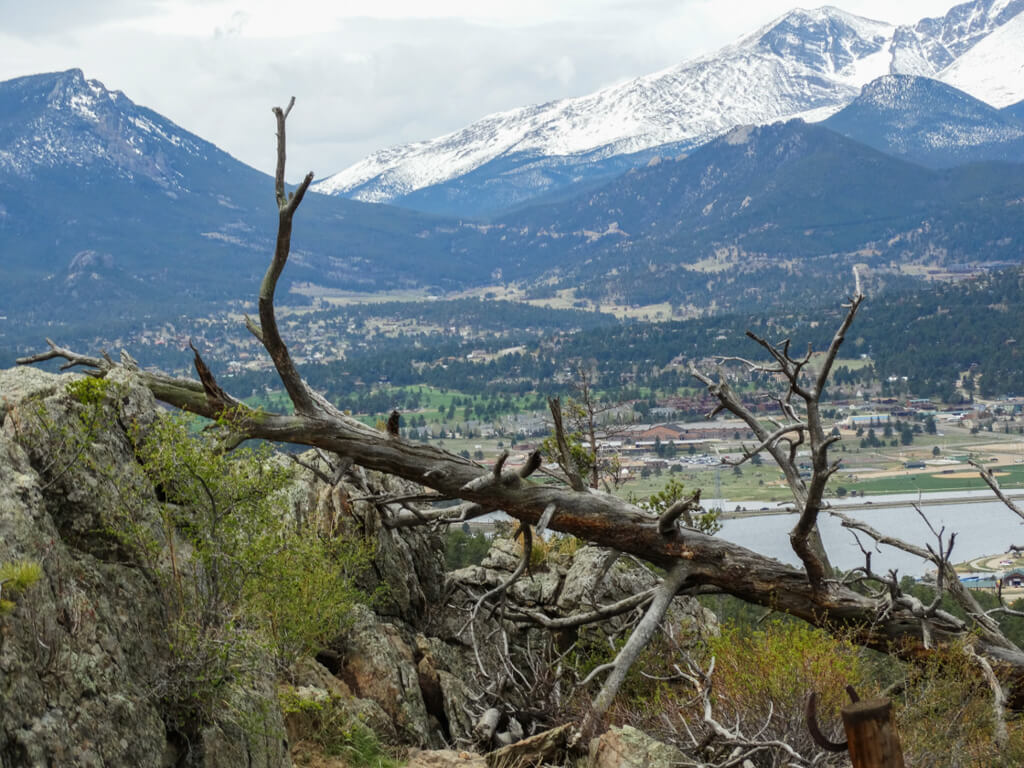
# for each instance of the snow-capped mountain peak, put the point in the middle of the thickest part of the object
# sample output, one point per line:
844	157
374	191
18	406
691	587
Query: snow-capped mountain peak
61	119
931	45
806	63
828	39
787	59
993	69
929	123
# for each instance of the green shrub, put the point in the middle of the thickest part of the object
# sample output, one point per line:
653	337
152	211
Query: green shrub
763	678
248	583
945	716
674	491
15	578
88	391
324	725
760	683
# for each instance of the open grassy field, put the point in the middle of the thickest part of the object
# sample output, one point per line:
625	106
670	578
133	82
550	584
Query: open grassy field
960	480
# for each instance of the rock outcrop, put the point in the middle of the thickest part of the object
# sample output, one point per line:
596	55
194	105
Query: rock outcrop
626	747
87	672
84	656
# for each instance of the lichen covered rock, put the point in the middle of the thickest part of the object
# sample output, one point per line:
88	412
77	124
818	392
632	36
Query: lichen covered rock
626	747
84	655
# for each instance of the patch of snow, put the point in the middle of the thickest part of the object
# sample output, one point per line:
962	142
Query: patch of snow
739	135
993	70
867	68
82	105
806	63
142	125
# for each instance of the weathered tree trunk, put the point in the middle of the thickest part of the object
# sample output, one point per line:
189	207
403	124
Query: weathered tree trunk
699	562
713	564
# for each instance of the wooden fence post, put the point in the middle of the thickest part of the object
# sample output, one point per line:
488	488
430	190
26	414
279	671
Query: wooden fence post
871	735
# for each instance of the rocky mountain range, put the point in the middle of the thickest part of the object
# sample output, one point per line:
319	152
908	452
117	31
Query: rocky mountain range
805	64
112	215
106	204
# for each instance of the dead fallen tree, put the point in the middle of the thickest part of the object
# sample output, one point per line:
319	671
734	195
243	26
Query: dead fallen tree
697	563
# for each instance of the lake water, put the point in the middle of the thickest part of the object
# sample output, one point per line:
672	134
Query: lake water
983	527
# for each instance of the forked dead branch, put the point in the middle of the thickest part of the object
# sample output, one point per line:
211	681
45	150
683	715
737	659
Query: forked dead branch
696	563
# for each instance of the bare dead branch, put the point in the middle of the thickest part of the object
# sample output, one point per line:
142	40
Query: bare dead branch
601	613
741	747
804	538
750	364
772	439
565	455
682	508
993	483
95	366
946	579
638	640
217	396
1002	736
838	339
545	518
500	590
254	329
496	476
533	462
298	392
320	474
1003	608
461	514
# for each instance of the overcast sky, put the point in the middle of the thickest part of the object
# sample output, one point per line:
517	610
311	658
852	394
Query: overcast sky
368	74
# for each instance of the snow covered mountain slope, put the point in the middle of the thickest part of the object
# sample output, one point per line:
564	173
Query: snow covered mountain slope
804	61
928	122
61	119
804	64
993	70
931	45
110	211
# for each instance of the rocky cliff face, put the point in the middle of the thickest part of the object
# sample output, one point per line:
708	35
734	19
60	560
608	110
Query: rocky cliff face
87	672
83	655
419	667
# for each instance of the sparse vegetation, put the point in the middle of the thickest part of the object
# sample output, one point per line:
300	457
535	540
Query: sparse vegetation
15	578
256	584
325	726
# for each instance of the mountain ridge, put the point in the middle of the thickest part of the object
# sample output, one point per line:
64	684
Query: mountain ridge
929	122
803	64
117	213
790	204
107	206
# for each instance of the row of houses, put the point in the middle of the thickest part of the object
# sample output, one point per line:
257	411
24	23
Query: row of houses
1011	579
